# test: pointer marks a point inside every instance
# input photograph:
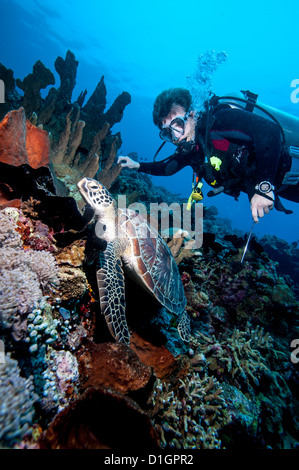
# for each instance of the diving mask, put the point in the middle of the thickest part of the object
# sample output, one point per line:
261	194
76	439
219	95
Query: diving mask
175	130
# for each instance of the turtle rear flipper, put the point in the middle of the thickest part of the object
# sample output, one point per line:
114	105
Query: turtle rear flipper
184	327
111	284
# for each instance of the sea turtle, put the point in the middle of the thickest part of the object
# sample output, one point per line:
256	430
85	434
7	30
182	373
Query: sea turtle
133	244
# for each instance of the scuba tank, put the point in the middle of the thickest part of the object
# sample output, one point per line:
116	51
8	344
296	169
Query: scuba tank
289	125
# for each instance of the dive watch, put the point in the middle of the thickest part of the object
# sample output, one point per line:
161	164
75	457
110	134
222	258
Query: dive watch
264	187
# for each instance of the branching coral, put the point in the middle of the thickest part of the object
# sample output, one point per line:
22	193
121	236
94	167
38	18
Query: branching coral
16	403
189	415
239	354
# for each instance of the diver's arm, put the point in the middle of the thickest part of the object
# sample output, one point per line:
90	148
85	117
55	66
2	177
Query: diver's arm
168	166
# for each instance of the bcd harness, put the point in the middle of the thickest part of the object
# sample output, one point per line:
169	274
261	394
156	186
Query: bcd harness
213	162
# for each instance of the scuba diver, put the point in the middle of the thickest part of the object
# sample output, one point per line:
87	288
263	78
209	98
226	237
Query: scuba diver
229	146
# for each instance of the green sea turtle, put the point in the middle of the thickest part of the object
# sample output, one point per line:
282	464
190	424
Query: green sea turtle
137	247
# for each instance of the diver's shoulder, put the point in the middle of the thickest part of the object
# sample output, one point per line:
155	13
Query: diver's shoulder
229	111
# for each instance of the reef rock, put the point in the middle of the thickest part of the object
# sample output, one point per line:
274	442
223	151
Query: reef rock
164	364
113	365
101	419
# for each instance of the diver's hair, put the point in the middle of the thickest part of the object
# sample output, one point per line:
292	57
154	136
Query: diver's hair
167	99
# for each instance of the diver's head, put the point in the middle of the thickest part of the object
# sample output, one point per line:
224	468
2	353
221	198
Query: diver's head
173	114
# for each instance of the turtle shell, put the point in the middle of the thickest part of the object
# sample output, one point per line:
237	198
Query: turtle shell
152	261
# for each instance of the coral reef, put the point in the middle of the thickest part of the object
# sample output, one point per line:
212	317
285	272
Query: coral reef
189	415
61	380
25	276
287	257
80	136
64	384
239	355
17	400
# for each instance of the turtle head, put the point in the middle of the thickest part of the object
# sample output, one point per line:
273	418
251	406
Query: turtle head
96	195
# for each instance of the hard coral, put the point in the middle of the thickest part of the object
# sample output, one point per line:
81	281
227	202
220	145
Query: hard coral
72	255
16	403
189	415
241	354
196	299
72	283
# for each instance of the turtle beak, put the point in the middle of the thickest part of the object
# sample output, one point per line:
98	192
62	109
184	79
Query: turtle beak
82	185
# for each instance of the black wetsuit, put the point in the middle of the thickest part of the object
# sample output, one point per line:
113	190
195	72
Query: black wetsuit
243	149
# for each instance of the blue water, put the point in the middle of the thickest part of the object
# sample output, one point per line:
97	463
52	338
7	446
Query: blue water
145	47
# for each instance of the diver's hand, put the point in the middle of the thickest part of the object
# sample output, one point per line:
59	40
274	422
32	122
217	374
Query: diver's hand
260	205
128	162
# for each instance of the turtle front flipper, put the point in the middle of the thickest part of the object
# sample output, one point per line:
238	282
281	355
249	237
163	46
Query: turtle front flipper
184	327
111	284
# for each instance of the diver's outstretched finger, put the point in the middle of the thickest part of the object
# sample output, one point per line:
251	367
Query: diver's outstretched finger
254	215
